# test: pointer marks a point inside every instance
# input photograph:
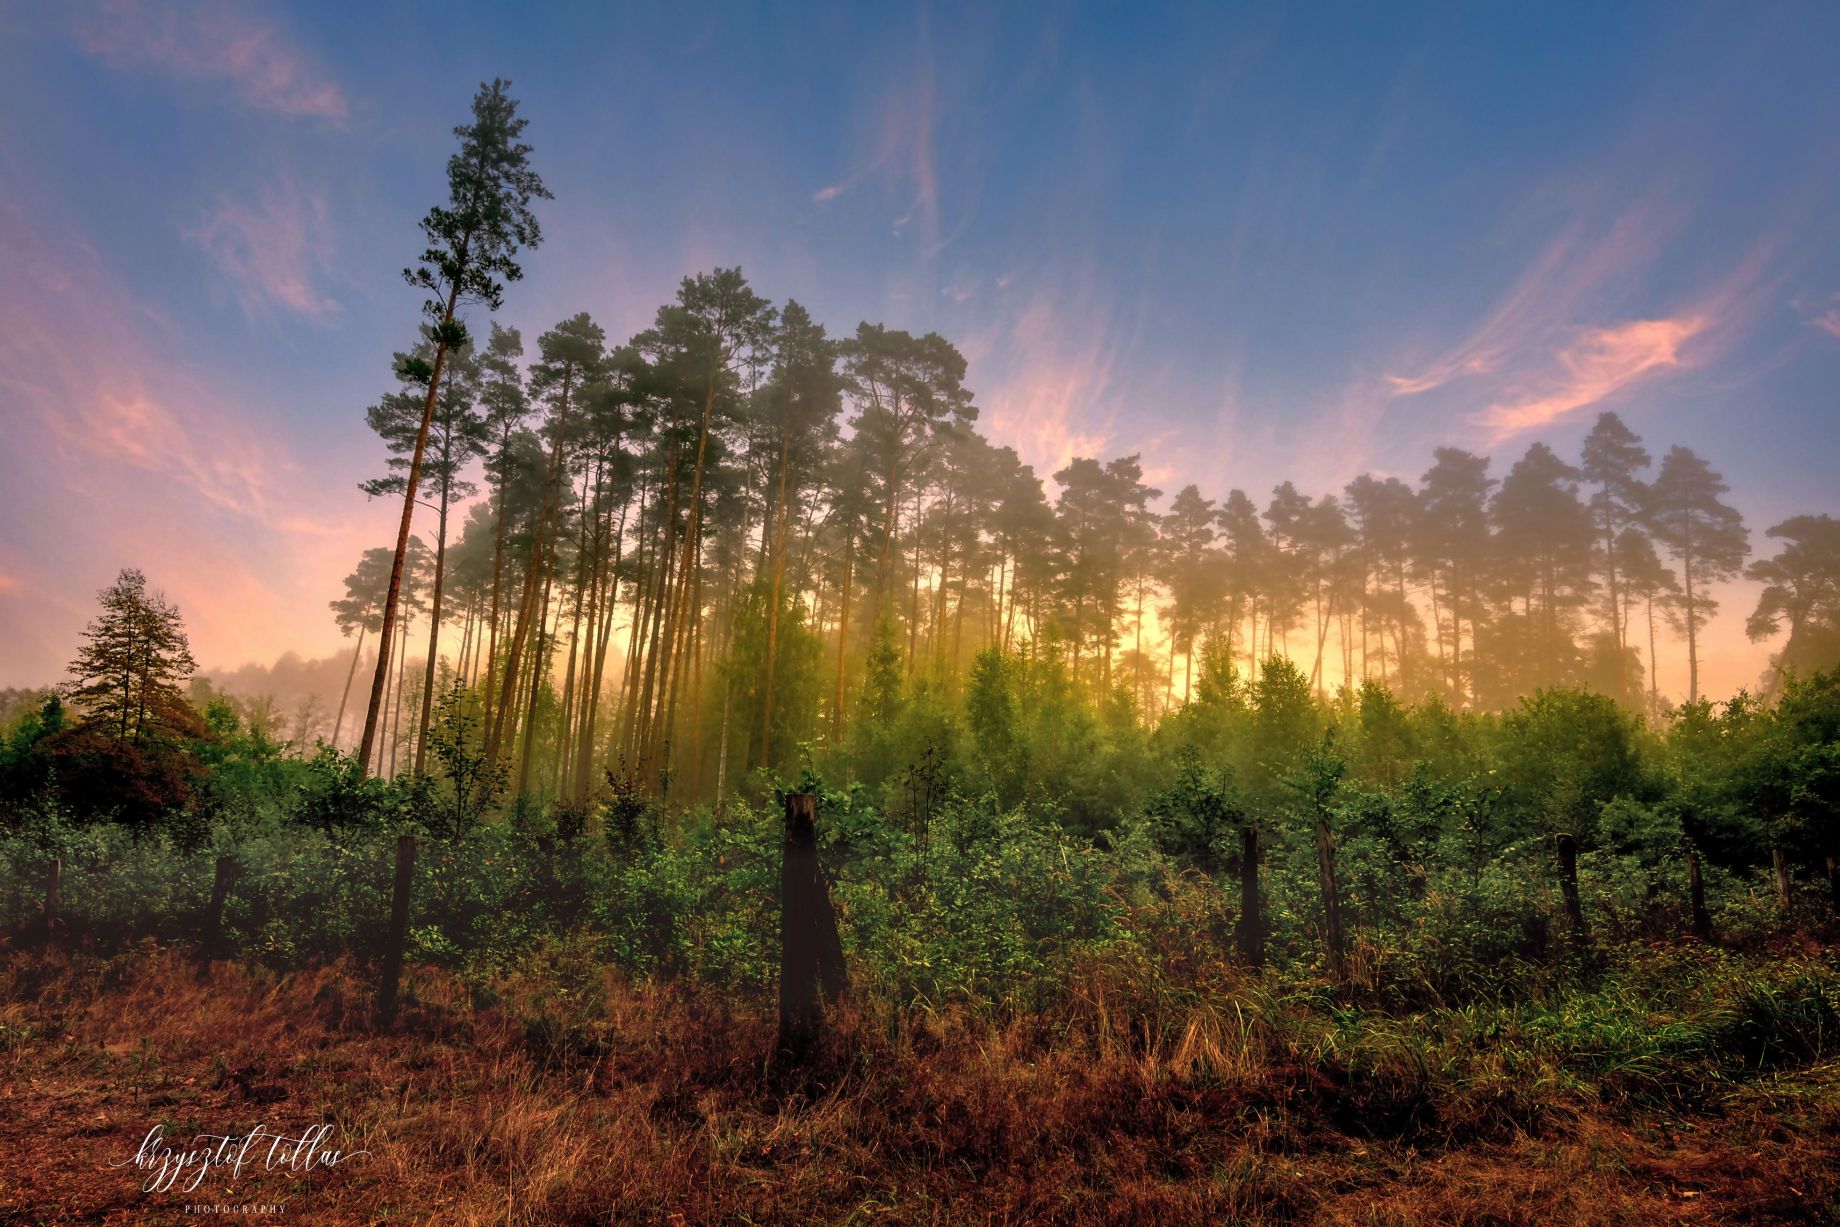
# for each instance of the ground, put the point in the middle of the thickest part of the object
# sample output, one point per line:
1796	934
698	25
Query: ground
481	1107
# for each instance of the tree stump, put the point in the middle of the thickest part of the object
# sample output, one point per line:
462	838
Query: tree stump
811	967
390	978
1251	901
1333	940
54	900
1702	920
1568	888
213	936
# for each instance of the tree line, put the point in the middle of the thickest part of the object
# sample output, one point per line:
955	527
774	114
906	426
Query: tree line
691	548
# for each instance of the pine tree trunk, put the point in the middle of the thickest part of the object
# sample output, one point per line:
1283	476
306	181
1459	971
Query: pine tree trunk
843	638
413	481
536	570
350	673
434	634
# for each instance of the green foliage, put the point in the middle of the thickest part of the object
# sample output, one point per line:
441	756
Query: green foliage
473	240
1198	817
338	798
1563	755
798	663
470	780
993	718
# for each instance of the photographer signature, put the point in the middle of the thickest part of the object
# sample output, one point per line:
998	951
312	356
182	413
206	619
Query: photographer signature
184	1167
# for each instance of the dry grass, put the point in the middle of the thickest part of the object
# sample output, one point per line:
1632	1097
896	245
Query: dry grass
613	1104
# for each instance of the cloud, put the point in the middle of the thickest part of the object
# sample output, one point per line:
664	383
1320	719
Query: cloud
148	463
1597	364
903	153
1045	377
271	251
1827	321
212	43
1434	377
1533	360
1572	268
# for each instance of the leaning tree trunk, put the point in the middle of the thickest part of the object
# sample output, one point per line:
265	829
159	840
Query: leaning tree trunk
413	481
350	673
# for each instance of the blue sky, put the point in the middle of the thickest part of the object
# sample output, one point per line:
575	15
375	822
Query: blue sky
1252	242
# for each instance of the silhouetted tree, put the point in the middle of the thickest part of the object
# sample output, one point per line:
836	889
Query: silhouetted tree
473	242
127	675
1704	533
1802	589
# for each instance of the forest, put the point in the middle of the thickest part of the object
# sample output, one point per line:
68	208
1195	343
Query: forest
1200	855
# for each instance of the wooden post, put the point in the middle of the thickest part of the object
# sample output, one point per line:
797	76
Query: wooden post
811	950
399	930
1251	902
1568	887
54	899
1702	920
1332	902
1779	861
214	916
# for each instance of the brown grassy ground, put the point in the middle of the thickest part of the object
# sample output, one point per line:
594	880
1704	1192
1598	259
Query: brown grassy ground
664	1110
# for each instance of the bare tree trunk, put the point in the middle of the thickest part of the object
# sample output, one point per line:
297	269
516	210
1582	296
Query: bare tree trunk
350	673
1333	940
1702	920
843	639
539	666
1251	901
434	634
545	513
774	527
413	481
1568	889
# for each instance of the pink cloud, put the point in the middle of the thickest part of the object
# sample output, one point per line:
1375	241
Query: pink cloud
272	251
1829	320
1548	294
1437	376
903	152
150	464
217	43
1596	365
1048	397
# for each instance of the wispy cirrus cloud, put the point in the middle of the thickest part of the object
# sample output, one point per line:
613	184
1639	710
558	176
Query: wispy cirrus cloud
1562	339
272	251
214	43
1827	320
1046	376
903	154
1570	269
149	464
1595	365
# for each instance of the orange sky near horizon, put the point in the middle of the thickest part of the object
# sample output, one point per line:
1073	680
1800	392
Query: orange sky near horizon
1249	247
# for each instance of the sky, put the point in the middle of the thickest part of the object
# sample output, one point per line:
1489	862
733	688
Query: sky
1253	243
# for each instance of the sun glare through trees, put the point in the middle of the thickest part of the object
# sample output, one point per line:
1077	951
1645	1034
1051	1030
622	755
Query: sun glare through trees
753	740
